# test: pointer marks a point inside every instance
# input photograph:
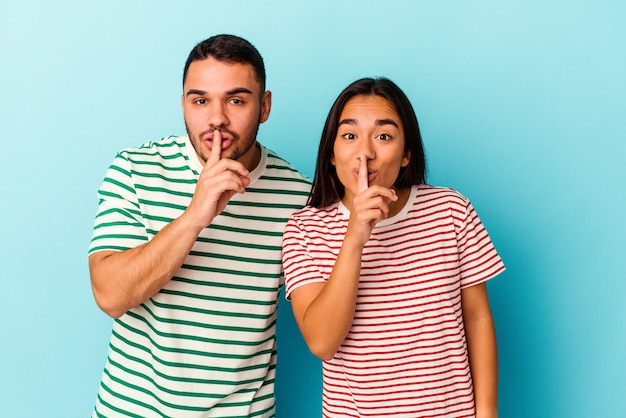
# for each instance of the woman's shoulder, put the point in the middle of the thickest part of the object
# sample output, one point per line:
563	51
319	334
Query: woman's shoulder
440	194
310	213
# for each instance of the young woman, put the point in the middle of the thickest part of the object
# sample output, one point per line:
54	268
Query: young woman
387	274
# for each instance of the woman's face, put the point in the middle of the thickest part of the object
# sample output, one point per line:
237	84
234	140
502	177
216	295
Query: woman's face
369	126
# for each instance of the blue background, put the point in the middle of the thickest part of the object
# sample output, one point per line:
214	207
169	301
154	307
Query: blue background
522	107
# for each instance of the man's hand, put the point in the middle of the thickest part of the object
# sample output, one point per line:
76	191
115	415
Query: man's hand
219	181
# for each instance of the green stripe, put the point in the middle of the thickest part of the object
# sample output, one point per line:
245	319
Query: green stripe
224	285
235	258
245	403
163	190
157	153
258	413
115	211
239	244
226	228
254	218
211	312
162	204
121	236
119	169
116	196
202	325
119	410
246	231
119	184
196	337
158	218
181	394
158	164
214	298
234	272
160	144
128	213
108	247
183	380
162	177
265	205
278	192
118	223
147	392
186	365
285	179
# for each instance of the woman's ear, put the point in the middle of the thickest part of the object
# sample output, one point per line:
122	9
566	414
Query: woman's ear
406	158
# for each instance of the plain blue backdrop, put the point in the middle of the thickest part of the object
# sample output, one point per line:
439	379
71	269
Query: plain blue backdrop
522	108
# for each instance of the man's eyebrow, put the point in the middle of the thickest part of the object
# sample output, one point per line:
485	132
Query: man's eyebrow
196	92
239	90
236	90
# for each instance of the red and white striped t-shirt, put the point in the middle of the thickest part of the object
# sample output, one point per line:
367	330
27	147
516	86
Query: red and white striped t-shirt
406	353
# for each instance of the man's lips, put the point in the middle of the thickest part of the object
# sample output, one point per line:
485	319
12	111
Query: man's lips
225	143
227	139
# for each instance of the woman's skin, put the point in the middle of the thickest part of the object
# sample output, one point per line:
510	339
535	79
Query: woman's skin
368	153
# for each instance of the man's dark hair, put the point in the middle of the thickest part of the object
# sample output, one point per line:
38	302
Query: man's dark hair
228	48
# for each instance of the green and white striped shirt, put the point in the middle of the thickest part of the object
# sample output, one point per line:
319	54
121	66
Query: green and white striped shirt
205	345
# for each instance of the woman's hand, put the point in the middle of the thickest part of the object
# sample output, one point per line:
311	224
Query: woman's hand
370	206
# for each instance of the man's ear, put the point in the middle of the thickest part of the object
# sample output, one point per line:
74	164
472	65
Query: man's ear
266	106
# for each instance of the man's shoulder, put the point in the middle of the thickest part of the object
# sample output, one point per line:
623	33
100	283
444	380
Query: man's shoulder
280	167
169	146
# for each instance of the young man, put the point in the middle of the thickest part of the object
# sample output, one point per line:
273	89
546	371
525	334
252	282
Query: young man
186	251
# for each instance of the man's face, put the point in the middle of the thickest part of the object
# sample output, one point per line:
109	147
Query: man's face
225	96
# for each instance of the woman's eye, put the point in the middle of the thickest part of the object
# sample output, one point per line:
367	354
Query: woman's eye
349	136
384	137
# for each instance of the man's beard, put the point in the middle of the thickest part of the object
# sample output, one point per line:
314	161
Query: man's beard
236	152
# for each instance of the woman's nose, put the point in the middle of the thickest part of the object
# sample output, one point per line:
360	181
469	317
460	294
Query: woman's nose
366	149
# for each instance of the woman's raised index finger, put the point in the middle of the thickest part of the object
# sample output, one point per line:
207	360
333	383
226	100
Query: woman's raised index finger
362	183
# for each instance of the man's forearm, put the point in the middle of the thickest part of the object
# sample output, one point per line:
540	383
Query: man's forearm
123	280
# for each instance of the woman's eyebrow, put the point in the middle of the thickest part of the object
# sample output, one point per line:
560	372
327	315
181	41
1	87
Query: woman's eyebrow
348	122
381	122
378	122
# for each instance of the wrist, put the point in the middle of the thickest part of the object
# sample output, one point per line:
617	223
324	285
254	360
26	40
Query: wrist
487	412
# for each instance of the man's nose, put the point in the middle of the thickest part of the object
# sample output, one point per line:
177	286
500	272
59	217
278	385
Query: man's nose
217	115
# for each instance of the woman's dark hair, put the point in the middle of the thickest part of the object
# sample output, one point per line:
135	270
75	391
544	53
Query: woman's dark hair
327	188
228	48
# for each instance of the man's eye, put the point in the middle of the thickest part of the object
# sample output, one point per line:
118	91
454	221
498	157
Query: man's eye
200	101
236	101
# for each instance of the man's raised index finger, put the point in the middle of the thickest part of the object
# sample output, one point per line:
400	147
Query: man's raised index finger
216	147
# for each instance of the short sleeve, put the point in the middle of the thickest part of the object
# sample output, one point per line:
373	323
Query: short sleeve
298	264
118	225
478	258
